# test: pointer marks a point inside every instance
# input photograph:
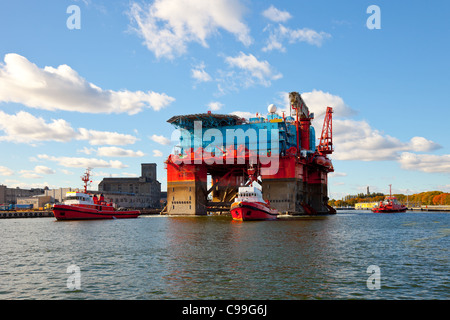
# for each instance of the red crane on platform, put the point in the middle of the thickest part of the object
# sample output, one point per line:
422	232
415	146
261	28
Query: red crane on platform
326	139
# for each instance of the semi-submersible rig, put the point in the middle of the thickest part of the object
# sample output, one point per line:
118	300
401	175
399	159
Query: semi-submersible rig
278	152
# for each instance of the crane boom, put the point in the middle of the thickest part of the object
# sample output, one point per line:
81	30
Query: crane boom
326	139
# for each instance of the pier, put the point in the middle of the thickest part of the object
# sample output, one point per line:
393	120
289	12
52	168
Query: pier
427	208
430	208
26	214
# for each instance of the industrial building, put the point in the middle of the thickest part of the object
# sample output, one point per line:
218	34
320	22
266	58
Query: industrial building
38	201
365	205
139	192
59	195
10	195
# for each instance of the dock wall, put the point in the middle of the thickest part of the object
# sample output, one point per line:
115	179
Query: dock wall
25	214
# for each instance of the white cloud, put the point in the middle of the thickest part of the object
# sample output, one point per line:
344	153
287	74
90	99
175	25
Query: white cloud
118	152
110	175
66	172
157	153
62	88
276	15
337	174
305	35
280	34
112	152
199	73
25	185
168	26
444	188
318	101
26	128
44	170
425	162
4	171
420	144
274	42
253	70
215	105
29	175
160	139
244	114
97	173
23	127
87	150
104	137
357	140
75	162
36	173
127	174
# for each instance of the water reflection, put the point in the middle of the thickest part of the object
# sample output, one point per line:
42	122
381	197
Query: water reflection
247	260
215	258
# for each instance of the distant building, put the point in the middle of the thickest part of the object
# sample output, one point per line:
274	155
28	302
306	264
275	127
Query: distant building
139	192
37	201
59	195
365	205
10	195
2	194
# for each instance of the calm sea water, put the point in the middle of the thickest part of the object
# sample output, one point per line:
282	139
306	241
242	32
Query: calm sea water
160	257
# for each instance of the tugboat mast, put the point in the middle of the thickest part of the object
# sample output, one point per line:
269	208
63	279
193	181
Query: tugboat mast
86	179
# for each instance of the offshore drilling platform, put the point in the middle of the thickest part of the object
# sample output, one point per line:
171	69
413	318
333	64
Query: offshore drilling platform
279	152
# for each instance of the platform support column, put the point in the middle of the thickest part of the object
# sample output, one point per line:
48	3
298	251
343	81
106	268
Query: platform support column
186	190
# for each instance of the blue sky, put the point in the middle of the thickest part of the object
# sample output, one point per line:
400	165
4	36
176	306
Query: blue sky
100	95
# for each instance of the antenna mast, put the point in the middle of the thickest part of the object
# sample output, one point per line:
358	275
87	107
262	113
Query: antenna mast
86	179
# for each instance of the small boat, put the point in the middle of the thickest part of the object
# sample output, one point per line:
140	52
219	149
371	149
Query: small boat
84	206
250	205
389	205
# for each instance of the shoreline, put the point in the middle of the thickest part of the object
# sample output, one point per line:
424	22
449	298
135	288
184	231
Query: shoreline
430	208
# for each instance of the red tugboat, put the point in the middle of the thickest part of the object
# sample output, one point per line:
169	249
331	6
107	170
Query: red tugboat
249	203
389	205
83	206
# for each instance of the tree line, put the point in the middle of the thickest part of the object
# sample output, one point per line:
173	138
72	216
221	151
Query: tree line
417	199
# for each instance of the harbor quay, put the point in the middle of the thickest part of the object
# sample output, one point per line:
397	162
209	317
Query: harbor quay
143	193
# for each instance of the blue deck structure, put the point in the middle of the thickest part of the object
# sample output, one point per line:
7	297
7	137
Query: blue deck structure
216	132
